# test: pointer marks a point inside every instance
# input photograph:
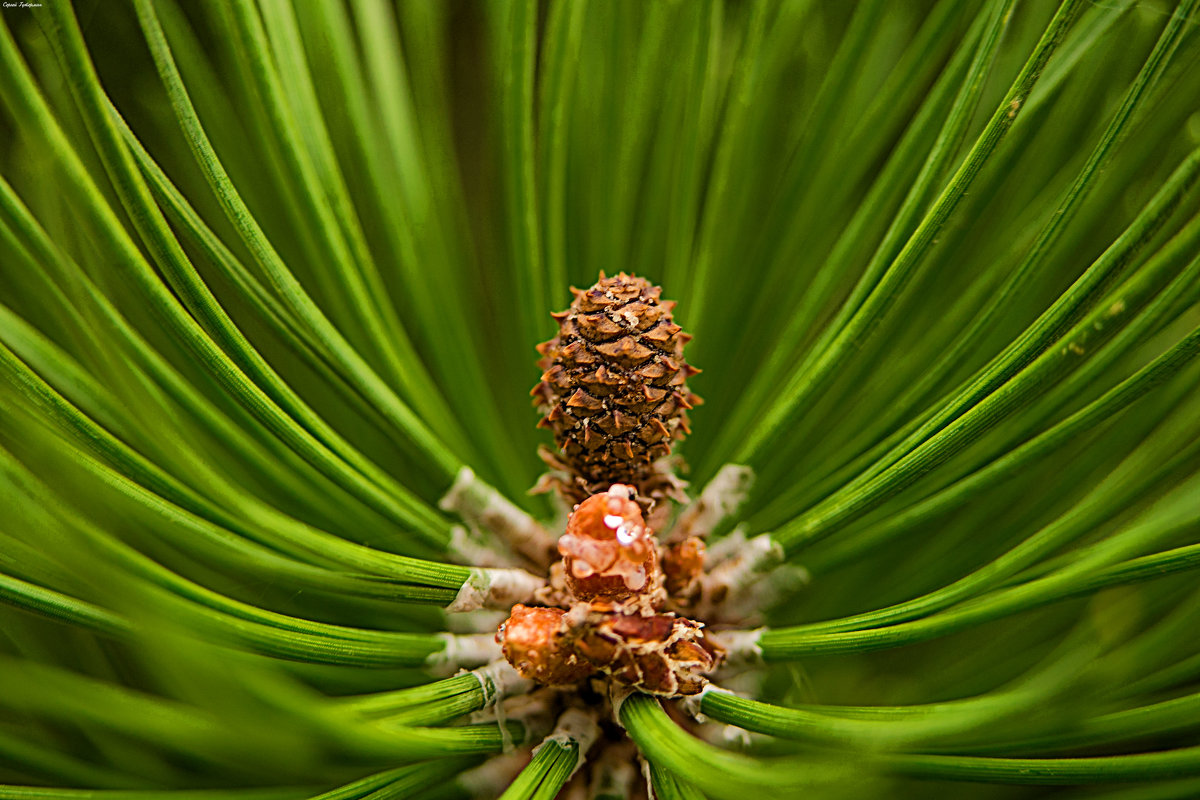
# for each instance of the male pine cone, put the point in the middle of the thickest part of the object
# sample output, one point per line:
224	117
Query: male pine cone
614	390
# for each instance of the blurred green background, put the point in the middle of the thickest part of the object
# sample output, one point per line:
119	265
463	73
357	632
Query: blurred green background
272	273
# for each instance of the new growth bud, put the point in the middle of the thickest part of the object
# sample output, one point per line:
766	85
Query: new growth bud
613	586
608	552
534	641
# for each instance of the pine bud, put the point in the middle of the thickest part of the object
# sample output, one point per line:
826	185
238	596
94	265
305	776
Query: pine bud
535	641
660	654
683	566
614	389
608	553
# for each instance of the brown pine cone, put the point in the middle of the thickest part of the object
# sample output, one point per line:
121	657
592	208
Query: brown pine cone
614	389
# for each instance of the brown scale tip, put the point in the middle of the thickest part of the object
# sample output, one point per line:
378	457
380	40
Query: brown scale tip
613	388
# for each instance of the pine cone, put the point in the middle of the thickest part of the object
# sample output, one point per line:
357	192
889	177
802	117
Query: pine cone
613	391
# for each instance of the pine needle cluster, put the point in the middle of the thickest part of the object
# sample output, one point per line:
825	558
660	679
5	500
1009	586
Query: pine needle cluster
272	275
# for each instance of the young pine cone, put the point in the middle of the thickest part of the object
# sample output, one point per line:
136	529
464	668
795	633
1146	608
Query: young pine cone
614	389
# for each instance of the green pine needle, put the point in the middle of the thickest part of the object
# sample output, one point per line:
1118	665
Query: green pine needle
271	277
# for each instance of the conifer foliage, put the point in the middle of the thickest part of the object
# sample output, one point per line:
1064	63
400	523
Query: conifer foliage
272	279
